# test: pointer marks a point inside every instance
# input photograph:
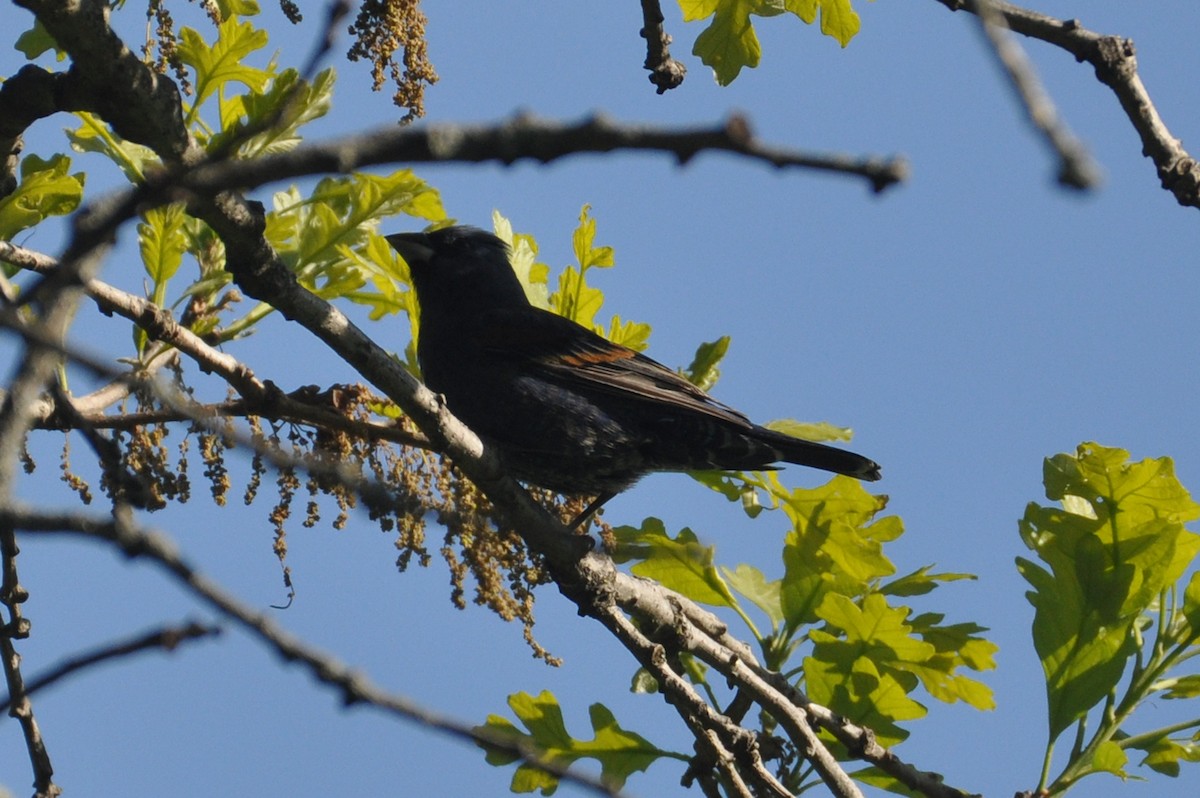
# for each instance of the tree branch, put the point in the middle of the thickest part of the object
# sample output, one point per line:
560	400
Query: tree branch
1076	168
665	72
167	638
1116	66
733	750
521	137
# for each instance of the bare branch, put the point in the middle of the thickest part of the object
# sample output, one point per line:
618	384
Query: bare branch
1116	66
521	137
336	12
1076	169
156	321
730	748
665	72
167	638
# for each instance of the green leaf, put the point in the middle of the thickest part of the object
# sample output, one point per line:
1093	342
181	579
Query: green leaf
37	40
288	104
836	543
45	189
587	254
240	8
1180	687
729	43
750	582
633	334
735	486
838	17
619	752
873	628
1191	606
317	235
853	686
680	563
1110	758
94	135
904	652
330	240
962	640
162	240
1164	754
919	582
704	371
940	682
810	430
390	289
223	62
1082	657
534	276
575	299
868	657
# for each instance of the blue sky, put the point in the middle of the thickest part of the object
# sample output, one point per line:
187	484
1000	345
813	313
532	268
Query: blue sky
966	324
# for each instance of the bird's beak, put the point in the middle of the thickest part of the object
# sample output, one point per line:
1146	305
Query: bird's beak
413	247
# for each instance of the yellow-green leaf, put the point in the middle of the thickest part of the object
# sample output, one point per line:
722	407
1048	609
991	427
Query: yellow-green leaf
534	276
45	189
1110	758
161	240
680	563
620	752
730	43
704	370
223	61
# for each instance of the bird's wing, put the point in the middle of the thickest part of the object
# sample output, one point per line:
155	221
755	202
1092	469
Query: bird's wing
578	358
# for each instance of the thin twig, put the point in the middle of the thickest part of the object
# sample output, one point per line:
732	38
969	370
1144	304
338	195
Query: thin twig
520	137
167	638
1076	168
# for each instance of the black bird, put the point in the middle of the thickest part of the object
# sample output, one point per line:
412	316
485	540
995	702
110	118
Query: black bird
567	409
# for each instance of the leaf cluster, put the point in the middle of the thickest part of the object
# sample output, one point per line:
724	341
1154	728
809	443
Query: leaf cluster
729	43
1114	619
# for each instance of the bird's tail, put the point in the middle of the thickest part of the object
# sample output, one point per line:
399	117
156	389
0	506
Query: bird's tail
818	455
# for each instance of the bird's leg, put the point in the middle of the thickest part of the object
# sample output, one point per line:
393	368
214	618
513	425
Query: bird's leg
582	519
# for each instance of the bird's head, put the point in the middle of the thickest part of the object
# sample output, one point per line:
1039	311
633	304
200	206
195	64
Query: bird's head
460	269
